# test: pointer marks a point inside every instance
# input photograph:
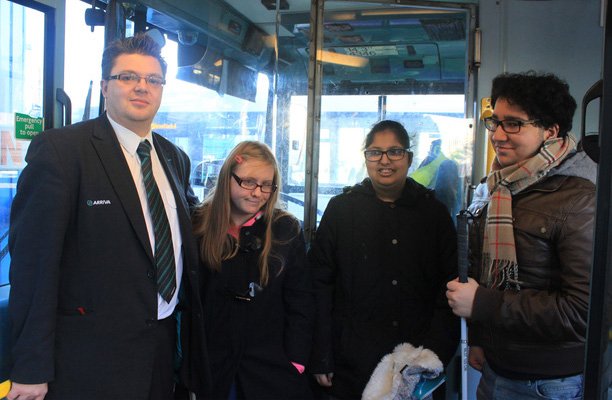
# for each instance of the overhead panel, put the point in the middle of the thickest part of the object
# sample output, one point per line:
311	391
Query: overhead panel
365	46
386	46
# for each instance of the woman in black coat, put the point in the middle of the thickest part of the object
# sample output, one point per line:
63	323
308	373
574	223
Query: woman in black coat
382	256
258	303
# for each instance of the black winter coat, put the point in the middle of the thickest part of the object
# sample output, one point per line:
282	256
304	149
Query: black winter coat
380	271
83	301
253	340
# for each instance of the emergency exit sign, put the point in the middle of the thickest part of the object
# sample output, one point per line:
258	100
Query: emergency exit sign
27	127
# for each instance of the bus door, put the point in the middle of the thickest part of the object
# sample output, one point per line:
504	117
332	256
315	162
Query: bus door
369	62
26	108
375	61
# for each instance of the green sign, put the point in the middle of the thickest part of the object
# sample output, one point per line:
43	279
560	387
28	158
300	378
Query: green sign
27	127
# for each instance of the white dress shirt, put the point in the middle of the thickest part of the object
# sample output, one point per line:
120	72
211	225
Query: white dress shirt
129	143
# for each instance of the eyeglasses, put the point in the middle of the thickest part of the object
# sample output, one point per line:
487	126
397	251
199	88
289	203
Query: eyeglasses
508	125
394	154
250	184
130	78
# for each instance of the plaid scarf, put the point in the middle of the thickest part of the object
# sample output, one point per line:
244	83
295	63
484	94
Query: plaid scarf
500	267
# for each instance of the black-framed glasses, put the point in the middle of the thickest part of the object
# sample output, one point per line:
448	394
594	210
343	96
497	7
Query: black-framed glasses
394	154
131	78
508	125
250	184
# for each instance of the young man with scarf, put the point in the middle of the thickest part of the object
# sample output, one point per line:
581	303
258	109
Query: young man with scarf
530	247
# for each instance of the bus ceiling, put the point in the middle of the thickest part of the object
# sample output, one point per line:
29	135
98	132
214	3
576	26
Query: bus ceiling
381	50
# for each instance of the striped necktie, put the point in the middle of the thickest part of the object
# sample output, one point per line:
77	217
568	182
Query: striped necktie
164	253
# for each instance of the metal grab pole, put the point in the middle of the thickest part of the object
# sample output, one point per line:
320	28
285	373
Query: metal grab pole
462	262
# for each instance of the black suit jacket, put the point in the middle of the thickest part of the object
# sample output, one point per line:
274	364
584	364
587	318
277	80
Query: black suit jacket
83	295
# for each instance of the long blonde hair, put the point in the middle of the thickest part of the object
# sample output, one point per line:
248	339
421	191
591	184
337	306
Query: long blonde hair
212	218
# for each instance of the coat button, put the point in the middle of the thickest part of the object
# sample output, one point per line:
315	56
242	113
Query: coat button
394	282
394	241
150	273
543	229
395	323
151	322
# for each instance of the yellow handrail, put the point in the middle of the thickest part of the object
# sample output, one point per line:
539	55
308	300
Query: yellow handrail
4	388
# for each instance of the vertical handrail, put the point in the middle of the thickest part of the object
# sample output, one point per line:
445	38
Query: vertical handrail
62	97
315	70
595	386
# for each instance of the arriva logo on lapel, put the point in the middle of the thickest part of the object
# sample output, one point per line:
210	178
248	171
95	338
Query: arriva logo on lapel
92	203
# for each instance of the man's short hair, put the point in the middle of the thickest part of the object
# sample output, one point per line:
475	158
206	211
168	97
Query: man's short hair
140	43
543	96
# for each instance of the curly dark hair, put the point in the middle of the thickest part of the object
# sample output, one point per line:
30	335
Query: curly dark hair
140	43
388	125
543	96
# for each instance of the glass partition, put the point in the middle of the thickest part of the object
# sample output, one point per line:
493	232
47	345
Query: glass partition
22	40
237	80
226	85
82	59
407	64
207	122
22	81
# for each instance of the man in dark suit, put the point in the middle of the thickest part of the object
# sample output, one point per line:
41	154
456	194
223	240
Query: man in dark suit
100	250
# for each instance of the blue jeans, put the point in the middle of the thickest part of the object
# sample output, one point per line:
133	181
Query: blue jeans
495	387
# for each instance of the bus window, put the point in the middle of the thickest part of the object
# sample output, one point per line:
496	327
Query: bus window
82	59
22	56
208	120
22	42
379	61
235	80
441	142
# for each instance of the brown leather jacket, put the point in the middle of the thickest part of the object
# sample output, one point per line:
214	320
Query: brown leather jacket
539	332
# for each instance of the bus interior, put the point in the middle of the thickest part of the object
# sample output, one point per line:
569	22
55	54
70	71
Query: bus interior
309	78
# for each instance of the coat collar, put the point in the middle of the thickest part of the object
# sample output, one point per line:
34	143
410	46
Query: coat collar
412	193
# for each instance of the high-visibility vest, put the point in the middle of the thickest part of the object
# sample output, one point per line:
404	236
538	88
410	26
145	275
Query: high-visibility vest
426	174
